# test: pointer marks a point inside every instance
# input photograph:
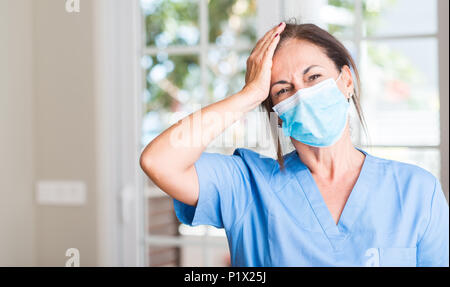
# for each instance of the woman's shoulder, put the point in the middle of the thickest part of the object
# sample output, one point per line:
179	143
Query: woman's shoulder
264	167
405	182
257	163
254	158
404	171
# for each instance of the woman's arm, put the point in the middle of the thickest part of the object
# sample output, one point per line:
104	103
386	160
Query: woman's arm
169	159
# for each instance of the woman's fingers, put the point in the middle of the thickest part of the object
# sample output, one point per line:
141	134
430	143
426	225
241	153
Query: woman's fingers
273	45
266	39
258	62
269	42
261	42
257	53
267	59
274	33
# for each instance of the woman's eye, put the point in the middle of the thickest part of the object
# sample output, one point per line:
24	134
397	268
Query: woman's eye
314	77
282	91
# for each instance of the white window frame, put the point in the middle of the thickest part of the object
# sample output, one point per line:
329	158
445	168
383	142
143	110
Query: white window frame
443	47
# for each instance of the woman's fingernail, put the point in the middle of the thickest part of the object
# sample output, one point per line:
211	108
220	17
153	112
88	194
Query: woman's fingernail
276	35
280	24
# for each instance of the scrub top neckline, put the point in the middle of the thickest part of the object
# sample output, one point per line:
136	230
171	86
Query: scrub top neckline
336	233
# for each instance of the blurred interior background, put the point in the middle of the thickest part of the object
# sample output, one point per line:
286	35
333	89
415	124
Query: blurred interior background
83	91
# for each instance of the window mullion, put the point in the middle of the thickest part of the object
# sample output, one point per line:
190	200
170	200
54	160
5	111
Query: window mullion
398	37
443	56
402	146
173	50
204	40
143	109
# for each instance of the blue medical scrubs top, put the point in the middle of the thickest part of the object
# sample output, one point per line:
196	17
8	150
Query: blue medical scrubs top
396	214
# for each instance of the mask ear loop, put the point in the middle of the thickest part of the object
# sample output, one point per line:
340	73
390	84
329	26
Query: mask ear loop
340	74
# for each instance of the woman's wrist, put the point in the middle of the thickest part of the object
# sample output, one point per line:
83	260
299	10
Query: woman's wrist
251	97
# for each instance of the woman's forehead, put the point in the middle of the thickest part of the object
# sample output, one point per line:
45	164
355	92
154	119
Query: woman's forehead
299	54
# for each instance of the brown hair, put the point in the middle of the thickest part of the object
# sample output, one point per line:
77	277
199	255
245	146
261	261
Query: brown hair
334	50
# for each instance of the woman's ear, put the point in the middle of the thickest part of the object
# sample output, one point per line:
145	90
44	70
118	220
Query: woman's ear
347	80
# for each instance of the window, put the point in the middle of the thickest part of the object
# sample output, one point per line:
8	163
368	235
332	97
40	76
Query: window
399	68
195	53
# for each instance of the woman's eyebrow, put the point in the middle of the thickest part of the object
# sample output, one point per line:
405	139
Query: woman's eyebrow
309	68
279	82
305	71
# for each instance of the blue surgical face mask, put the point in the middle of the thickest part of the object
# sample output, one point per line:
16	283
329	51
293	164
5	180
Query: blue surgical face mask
315	116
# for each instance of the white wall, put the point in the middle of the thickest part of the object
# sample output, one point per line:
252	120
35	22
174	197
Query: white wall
47	128
64	125
16	141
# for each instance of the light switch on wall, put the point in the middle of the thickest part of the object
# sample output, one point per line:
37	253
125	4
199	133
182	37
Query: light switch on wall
71	193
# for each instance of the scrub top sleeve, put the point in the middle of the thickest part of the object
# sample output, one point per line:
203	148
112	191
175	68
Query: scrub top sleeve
223	192
433	247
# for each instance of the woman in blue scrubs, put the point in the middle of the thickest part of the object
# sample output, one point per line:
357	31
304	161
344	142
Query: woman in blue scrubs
326	203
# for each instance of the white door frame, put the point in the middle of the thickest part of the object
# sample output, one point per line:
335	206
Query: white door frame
121	241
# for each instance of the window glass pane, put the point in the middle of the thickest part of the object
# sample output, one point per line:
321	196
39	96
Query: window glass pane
400	91
226	77
232	22
351	47
428	159
339	16
173	85
171	22
399	17
227	72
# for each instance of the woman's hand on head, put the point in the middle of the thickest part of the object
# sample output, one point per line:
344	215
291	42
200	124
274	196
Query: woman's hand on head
259	64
